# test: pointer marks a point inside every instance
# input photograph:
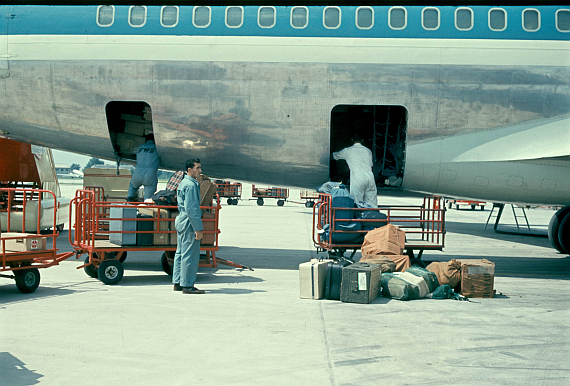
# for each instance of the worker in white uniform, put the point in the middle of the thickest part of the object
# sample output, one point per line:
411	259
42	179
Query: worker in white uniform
359	160
189	229
146	170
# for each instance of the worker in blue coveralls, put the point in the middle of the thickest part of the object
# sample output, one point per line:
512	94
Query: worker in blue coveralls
189	228
146	171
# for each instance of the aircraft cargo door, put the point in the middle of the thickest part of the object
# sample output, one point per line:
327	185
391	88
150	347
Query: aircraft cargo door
4	46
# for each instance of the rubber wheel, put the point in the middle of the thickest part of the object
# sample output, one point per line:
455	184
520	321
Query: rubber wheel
111	271
456	207
90	269
230	201
473	207
554	227
280	202
450	205
482	207
564	234
59	227
308	204
166	263
260	201
235	201
27	280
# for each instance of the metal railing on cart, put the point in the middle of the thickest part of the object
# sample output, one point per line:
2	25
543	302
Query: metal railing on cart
231	191
21	252
424	226
104	231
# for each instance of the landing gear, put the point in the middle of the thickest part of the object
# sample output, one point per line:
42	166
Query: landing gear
559	230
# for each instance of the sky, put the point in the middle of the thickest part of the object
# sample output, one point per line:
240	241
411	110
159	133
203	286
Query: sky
67	158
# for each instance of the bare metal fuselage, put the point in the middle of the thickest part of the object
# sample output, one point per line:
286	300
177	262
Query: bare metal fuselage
485	119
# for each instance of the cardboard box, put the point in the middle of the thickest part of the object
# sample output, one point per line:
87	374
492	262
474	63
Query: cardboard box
207	192
24	244
163	224
387	240
477	278
208	238
312	279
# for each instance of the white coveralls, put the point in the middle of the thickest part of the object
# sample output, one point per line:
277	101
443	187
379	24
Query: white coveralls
362	185
146	170
188	221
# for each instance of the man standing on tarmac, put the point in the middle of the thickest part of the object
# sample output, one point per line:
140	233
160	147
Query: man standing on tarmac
189	228
359	160
146	171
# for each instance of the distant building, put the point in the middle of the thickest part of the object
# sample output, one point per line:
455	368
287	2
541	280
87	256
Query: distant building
62	169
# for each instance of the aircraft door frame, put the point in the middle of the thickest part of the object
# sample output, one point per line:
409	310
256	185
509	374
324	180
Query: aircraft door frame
4	64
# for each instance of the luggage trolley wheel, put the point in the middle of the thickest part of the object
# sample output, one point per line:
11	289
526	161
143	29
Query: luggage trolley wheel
280	202
309	204
90	269
110	271
113	256
166	262
27	280
260	201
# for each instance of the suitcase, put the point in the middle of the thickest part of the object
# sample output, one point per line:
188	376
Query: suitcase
144	239
312	276
123	225
163	224
395	287
429	277
360	283
334	278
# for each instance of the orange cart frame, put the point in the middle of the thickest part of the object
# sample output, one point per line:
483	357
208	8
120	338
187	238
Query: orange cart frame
25	264
104	259
424	225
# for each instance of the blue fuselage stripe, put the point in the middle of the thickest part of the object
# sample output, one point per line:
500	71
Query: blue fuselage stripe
76	20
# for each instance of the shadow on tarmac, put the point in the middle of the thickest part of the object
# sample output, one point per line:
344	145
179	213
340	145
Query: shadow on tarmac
476	230
13	371
9	293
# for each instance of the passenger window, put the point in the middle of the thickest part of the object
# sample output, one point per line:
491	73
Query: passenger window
105	15
531	20
397	18
430	18
563	20
234	17
497	19
169	16
299	17
364	17
331	17
201	17
266	17
137	16
463	19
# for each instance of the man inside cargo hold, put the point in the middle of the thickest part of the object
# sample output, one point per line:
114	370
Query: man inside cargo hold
189	228
146	170
359	160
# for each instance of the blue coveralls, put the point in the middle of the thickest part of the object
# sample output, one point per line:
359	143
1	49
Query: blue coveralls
146	170
189	219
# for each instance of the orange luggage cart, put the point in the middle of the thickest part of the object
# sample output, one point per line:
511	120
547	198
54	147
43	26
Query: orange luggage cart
24	253
96	234
310	196
472	203
281	194
231	191
424	226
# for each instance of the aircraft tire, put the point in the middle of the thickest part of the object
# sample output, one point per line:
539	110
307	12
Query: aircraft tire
554	228
564	234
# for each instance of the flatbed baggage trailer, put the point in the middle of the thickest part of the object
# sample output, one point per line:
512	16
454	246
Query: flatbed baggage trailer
472	203
281	194
311	196
424	225
107	246
231	191
24	253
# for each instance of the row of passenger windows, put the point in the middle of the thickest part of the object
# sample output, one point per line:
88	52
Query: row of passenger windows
364	18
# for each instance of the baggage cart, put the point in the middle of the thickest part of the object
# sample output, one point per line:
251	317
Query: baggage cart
281	194
473	204
25	253
231	191
96	220
424	226
311	196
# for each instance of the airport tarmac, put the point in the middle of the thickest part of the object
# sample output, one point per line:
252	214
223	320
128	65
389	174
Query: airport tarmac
251	327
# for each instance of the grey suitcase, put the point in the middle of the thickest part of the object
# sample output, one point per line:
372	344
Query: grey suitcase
360	283
124	212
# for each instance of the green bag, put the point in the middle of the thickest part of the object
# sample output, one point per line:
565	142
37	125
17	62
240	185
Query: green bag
429	277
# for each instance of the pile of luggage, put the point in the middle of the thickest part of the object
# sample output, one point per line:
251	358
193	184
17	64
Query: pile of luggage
385	271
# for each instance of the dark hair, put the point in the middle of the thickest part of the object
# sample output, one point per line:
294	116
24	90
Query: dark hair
192	162
357	137
149	137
